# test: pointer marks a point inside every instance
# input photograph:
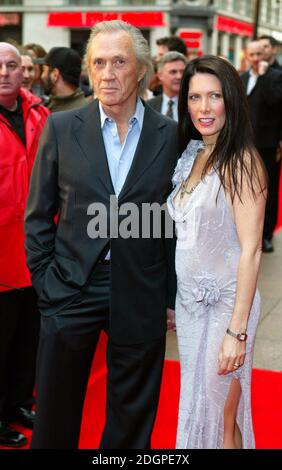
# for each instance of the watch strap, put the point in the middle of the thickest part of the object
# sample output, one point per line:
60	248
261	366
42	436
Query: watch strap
239	336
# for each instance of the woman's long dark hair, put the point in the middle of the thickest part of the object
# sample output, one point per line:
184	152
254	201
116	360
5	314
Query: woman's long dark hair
234	155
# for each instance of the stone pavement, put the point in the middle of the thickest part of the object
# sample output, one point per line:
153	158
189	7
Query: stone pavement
268	346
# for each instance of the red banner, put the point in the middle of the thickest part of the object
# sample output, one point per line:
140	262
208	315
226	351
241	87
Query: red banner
146	19
9	19
190	34
230	25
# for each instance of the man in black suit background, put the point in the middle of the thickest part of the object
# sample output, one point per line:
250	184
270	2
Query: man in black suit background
111	155
270	48
170	69
263	85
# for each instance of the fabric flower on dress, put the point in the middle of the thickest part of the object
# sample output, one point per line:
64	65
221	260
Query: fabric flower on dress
197	297
207	290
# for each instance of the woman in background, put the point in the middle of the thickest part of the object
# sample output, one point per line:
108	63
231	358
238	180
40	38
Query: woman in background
36	51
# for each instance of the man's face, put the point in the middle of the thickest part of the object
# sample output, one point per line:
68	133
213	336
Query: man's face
46	79
170	77
28	72
268	51
114	69
254	54
11	74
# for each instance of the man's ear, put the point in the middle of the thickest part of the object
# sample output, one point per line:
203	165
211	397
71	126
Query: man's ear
159	75
142	72
55	74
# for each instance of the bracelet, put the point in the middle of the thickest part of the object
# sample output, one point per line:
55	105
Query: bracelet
239	336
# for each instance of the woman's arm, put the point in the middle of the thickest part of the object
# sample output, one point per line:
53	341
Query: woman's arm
249	219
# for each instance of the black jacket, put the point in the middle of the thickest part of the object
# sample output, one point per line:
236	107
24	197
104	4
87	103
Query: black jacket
70	173
265	103
156	103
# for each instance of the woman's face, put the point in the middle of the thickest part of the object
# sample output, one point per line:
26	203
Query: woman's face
206	105
37	67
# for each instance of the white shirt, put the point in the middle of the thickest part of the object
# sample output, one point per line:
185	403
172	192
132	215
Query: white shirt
251	82
165	101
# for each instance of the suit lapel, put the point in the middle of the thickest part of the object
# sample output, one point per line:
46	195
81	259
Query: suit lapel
150	143
88	134
245	78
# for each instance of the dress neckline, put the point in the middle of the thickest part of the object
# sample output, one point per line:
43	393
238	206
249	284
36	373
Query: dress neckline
183	170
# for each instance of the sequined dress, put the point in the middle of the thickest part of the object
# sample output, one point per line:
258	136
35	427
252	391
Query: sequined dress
207	256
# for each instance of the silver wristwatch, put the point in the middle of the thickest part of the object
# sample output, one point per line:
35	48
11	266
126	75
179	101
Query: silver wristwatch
239	336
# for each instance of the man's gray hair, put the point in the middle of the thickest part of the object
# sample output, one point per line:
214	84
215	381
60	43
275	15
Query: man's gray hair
4	45
140	46
171	56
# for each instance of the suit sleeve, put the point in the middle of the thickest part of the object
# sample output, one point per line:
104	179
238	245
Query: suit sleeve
272	87
170	243
42	207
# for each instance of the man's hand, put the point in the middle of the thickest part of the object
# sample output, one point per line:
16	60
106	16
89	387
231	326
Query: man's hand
263	67
170	319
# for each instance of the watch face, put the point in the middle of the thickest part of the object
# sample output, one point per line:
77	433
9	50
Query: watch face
242	337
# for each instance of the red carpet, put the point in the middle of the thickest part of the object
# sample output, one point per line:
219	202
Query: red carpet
266	404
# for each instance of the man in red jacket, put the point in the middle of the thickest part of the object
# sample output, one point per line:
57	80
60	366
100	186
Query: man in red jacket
22	119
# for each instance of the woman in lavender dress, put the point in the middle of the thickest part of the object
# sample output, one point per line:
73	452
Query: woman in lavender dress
218	205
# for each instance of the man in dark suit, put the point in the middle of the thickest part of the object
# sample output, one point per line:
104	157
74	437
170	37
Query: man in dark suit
263	86
114	156
170	70
270	46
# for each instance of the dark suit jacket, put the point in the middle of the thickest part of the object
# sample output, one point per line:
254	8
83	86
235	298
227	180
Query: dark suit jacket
276	65
265	103
156	103
70	173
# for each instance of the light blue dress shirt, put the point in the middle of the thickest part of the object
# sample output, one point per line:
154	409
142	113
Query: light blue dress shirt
120	156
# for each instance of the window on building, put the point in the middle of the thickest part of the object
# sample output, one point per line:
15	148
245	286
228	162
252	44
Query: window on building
249	8
224	4
268	11
11	2
276	9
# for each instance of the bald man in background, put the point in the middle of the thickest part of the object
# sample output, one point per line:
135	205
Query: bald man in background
22	118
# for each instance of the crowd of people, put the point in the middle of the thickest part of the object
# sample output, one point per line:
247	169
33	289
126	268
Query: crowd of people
194	136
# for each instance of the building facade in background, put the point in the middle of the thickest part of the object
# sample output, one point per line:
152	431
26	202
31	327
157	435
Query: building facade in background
219	27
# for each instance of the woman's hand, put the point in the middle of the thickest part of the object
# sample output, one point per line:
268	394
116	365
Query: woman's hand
232	355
